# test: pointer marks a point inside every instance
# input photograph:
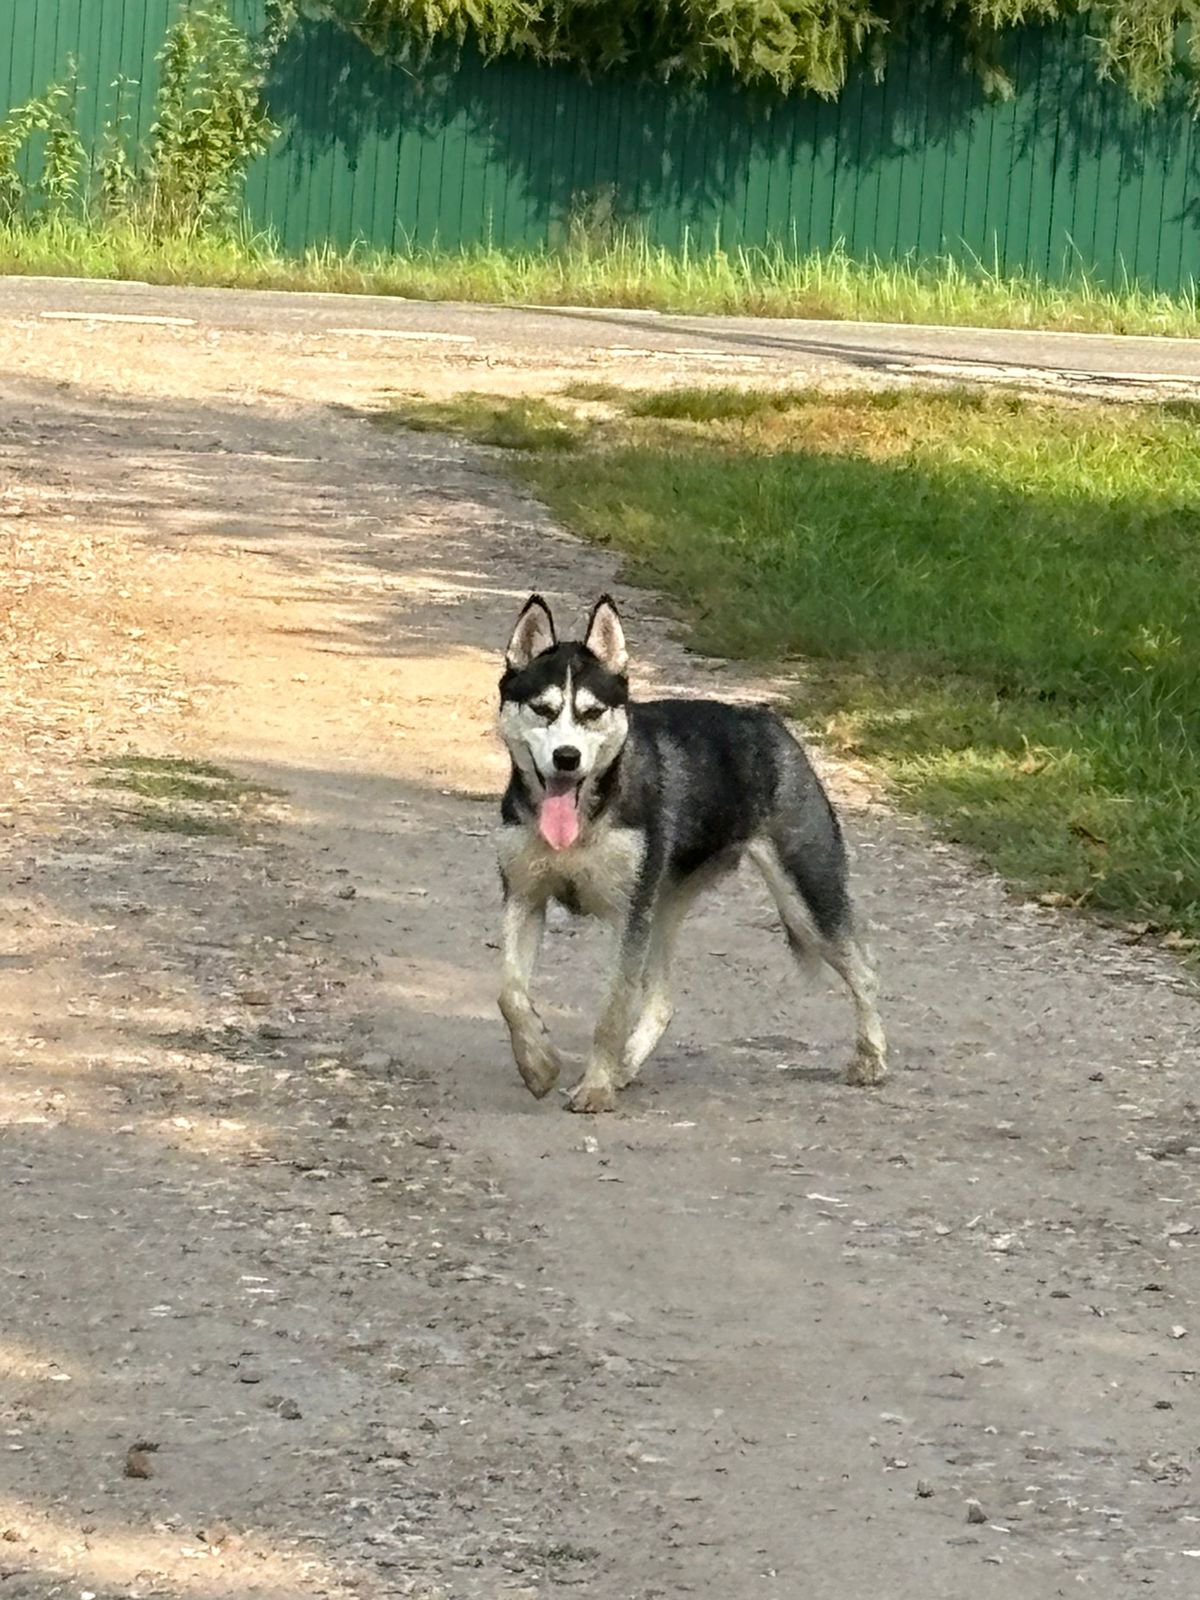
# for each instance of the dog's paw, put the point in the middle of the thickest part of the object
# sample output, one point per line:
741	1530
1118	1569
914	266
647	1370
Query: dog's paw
626	1074
539	1065
868	1069
591	1098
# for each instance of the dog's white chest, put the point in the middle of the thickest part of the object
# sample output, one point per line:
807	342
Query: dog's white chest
596	876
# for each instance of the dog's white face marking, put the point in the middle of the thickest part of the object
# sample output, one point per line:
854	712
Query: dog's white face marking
566	718
548	704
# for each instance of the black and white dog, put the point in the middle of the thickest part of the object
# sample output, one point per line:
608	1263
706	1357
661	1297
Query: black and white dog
626	811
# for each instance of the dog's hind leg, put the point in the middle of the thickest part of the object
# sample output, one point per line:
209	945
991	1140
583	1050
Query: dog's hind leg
808	881
849	957
657	1010
537	1060
653	1021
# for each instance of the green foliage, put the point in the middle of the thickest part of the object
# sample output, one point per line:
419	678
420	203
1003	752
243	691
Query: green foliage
280	18
21	123
64	159
209	124
790	45
116	174
1148	43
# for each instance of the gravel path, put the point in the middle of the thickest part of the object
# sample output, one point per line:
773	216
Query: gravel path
275	1201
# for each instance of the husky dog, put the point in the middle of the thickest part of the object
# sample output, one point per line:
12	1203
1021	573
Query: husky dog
626	811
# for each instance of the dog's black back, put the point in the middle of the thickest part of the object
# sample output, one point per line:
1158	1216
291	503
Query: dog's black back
706	778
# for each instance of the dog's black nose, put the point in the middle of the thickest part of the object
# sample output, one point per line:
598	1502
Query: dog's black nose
566	758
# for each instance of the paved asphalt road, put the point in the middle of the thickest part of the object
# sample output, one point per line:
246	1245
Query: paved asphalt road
1120	367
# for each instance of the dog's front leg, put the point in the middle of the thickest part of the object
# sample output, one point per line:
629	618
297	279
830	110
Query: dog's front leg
536	1058
597	1089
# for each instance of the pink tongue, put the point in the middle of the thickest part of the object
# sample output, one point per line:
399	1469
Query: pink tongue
558	820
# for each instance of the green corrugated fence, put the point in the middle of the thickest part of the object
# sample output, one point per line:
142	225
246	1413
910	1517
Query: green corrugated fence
1070	174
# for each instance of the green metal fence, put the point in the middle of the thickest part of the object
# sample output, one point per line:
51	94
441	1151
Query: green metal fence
1069	174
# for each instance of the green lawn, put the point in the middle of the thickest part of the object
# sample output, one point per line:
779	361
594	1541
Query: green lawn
997	600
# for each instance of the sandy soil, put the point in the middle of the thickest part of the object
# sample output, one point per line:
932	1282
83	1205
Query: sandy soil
274	1199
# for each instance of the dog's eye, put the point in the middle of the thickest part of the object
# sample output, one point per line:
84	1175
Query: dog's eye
589	713
542	709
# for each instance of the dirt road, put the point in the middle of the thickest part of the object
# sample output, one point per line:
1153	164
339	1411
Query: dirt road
527	347
302	1294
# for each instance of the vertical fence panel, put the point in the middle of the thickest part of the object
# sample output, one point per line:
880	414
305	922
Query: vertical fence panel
1111	174
777	163
819	154
858	212
887	160
1026	157
909	159
99	65
1043	189
20	30
1084	152
1068	174
1187	270
1151	222
933	152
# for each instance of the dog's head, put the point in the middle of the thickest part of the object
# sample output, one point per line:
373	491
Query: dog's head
563	712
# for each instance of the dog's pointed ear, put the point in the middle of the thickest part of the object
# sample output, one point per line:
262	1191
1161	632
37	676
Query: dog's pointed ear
533	633
606	637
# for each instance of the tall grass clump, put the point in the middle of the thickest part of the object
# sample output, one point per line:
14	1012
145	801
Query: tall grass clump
117	242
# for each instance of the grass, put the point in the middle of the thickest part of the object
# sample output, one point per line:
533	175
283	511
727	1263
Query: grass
626	271
997	601
506	424
179	796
